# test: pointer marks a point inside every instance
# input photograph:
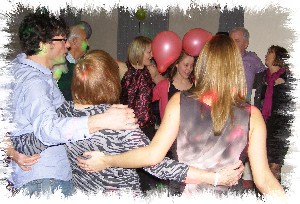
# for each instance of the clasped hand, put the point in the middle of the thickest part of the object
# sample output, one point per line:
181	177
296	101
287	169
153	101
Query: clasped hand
95	161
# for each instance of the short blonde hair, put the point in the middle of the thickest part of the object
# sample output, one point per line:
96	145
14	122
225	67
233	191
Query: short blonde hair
96	79
220	71
137	48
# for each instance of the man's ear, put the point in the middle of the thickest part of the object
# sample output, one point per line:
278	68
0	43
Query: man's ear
246	45
74	41
44	47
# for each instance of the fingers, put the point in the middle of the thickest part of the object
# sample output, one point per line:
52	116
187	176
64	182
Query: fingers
230	175
84	165
29	163
81	161
31	160
237	164
131	124
129	111
87	154
25	162
123	117
119	106
25	168
80	164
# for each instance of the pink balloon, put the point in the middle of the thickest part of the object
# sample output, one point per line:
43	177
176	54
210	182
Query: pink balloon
166	48
194	40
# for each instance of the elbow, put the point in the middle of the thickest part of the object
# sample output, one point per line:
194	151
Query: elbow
261	183
154	158
260	186
269	186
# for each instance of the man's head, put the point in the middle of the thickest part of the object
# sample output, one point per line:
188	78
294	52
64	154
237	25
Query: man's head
44	35
78	41
87	28
241	36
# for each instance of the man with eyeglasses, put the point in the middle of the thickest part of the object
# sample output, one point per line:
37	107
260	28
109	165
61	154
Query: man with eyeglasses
36	97
78	39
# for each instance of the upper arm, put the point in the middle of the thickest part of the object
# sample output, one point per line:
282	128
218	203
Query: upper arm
260	67
39	109
262	175
257	145
159	90
155	93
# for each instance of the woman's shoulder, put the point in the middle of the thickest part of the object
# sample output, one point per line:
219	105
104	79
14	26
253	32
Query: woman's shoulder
122	68
255	113
164	82
182	97
175	99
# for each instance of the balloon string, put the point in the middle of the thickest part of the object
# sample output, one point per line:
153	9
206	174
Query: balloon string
139	26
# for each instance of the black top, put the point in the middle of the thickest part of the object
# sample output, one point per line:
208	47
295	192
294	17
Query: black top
65	82
279	123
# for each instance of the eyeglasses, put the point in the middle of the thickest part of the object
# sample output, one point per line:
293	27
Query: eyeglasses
62	39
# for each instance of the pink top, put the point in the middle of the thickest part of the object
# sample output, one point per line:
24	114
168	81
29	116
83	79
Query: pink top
160	92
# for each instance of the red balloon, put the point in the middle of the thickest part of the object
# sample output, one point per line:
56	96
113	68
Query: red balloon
166	48
194	40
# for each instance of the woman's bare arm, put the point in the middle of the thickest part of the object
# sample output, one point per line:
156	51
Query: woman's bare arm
156	151
262	175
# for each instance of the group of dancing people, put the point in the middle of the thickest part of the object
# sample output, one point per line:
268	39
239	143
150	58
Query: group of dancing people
93	144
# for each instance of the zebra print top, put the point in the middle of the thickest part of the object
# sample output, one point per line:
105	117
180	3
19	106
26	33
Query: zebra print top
113	142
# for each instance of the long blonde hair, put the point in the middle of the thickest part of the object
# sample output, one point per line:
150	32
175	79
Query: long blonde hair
219	75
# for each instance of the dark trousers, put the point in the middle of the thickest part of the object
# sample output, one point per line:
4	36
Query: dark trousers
148	181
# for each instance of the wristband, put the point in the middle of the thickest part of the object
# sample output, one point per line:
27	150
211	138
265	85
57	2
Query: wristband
217	175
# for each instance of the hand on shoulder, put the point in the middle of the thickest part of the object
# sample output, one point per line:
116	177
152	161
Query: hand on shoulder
155	75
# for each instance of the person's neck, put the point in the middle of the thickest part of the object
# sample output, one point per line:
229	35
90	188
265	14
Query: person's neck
42	60
179	79
274	69
75	55
81	106
138	66
243	52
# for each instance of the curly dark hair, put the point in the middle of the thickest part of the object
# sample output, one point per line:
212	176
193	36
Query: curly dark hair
40	26
281	56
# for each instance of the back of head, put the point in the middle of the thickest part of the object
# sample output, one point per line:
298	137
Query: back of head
96	79
40	26
136	49
75	31
219	74
87	27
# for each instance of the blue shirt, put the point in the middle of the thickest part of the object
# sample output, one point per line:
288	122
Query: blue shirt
70	58
252	65
35	100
